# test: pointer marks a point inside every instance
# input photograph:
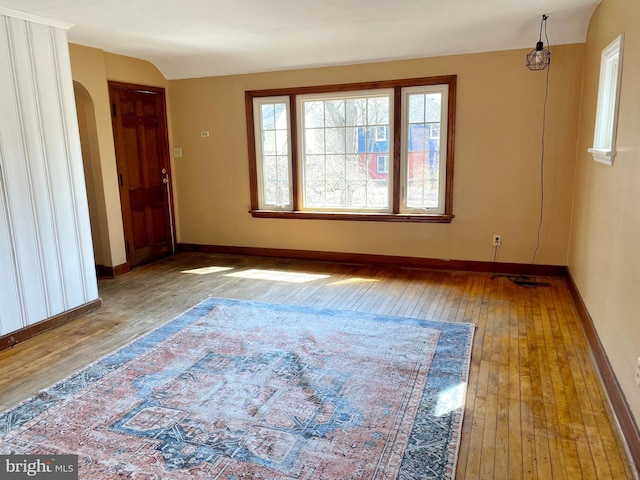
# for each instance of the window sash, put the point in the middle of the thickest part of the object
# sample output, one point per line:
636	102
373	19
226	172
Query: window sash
275	190
353	189
436	163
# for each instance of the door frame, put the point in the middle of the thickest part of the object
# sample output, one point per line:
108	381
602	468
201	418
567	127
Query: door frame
163	150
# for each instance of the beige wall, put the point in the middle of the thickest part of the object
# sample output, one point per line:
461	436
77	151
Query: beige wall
92	69
497	161
92	172
605	238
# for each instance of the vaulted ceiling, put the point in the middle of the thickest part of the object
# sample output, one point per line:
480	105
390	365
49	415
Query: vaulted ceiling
195	38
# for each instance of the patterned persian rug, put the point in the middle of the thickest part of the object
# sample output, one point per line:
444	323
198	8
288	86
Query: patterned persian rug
243	390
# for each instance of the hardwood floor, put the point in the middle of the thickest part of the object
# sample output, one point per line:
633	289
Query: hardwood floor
535	406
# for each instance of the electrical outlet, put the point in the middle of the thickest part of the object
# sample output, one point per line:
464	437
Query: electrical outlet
638	372
497	240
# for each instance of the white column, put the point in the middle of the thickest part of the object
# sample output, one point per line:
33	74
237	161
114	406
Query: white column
46	255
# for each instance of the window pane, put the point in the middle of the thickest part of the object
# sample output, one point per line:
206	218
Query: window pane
417	138
351	139
378	110
268	117
335	167
608	103
269	168
314	141
269	142
356	194
314	192
335	193
335	140
315	168
377	193
355	168
422	169
416	108
611	79
334	113
338	169
356	111
314	114
273	158
280	112
434	107
423	180
283	169
276	193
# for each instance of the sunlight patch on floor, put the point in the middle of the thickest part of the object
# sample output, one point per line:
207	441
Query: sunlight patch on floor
207	270
353	280
278	276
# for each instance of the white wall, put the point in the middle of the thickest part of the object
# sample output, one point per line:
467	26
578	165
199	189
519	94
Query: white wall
46	256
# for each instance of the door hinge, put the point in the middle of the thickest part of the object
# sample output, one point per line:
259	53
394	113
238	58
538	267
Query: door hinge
120	180
126	243
113	109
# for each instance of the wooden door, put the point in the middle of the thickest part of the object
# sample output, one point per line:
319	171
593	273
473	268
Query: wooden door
142	156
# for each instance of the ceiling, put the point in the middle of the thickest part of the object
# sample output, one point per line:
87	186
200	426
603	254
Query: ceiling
196	38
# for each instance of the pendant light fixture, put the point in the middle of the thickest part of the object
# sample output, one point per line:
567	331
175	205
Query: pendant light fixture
539	58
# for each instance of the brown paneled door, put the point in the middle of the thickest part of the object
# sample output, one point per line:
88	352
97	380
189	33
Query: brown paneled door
142	156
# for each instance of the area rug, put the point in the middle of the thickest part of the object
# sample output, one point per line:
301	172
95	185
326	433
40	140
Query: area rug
243	390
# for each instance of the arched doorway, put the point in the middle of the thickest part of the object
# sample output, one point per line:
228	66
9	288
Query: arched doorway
93	174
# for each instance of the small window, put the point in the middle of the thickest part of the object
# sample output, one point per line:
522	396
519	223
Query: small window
381	133
382	164
604	138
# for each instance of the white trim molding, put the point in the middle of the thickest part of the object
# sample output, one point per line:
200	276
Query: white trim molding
7	12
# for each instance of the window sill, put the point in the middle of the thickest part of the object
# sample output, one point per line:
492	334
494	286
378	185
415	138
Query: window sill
364	217
602	155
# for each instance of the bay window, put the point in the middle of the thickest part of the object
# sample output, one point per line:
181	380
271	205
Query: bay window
376	151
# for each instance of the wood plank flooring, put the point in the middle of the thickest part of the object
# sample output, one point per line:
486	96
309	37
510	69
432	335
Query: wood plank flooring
535	406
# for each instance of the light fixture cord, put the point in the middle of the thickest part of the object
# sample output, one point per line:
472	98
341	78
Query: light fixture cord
544	124
543	22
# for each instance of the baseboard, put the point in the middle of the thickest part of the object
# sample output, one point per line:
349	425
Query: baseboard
619	404
383	260
113	272
13	338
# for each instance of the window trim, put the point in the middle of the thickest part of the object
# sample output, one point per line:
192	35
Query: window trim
394	161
